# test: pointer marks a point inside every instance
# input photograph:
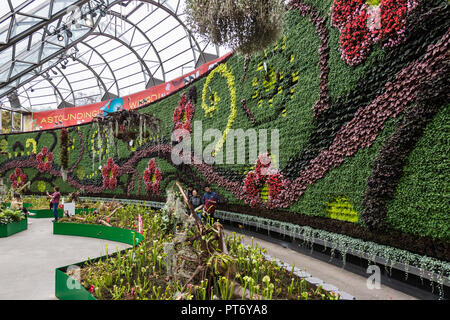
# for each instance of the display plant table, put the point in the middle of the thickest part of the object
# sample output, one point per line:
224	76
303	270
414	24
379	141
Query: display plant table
7	230
67	288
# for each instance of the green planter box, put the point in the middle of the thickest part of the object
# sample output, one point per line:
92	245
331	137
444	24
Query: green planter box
47	213
25	205
97	231
67	288
7	230
82	210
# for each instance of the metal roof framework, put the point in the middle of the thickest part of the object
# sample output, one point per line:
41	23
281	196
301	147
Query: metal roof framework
63	53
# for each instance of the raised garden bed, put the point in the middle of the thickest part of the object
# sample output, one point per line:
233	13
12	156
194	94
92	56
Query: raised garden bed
176	260
78	292
97	231
47	213
9	229
433	270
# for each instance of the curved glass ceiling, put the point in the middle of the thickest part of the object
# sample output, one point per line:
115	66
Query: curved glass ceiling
65	53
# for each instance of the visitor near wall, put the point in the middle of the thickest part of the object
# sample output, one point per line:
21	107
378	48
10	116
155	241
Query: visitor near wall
209	201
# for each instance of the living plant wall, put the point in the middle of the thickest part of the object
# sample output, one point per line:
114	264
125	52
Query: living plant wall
362	111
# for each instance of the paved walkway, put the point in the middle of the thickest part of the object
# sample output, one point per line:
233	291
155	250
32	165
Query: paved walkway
346	281
28	259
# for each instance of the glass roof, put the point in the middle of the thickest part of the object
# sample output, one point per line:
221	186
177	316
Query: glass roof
65	53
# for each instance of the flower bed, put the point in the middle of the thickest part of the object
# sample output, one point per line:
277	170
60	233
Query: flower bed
163	266
62	291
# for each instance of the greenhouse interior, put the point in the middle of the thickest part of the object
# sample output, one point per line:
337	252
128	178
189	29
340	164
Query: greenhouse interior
247	150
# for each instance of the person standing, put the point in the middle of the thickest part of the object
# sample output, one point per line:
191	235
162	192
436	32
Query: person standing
209	201
55	202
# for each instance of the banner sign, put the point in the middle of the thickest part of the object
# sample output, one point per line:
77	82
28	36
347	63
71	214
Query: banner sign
85	114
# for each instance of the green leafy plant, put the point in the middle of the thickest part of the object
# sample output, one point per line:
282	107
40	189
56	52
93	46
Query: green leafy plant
8	216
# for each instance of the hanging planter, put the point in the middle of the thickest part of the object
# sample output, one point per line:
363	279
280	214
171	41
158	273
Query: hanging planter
248	26
64	152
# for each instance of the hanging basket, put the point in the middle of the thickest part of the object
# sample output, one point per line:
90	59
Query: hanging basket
248	26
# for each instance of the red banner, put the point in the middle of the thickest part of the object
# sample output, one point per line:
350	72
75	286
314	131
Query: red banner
85	114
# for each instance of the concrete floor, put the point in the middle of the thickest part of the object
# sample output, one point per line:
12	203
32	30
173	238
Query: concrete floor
346	281
28	259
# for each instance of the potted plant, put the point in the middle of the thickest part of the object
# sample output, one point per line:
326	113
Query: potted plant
12	221
248	26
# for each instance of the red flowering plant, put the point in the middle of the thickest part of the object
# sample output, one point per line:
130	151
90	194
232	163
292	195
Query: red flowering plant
44	159
109	174
18	178
363	25
183	115
265	178
152	177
